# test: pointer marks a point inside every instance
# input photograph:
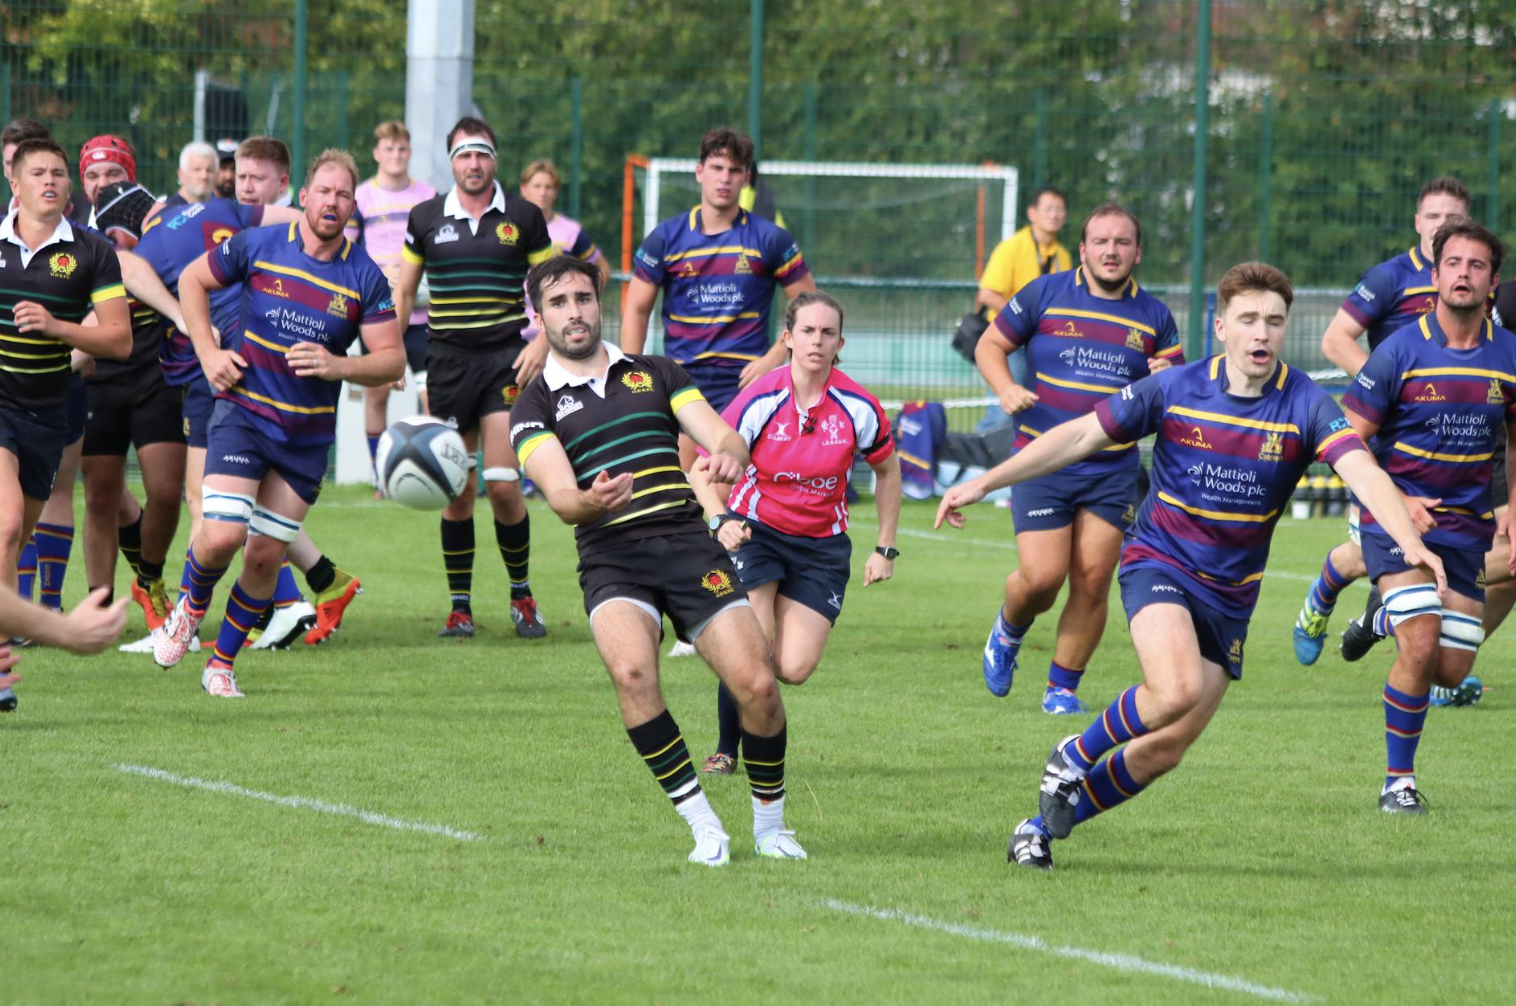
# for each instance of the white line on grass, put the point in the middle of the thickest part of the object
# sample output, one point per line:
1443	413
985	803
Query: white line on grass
299	803
1121	962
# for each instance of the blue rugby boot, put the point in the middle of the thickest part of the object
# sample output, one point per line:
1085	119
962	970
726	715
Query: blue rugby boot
1000	658
1470	691
1061	702
1310	634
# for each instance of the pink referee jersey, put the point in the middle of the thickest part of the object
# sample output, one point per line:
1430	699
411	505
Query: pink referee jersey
380	224
797	481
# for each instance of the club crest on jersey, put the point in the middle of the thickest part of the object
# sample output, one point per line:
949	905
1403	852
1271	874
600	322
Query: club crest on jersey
567	405
1273	447
717	582
638	380
1196	438
1134	339
509	393
62	265
507	233
741	268
338	305
832	427
446	234
1495	396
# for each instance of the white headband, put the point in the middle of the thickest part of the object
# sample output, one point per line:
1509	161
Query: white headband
472	146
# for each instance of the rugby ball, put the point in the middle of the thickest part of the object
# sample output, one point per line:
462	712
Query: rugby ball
422	463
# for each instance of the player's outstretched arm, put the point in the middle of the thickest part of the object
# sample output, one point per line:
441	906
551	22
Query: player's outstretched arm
1340	343
1381	498
548	466
728	451
1064	444
89	628
143	283
636	311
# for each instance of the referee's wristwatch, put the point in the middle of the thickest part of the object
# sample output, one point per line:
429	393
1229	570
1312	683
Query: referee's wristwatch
714	523
890	552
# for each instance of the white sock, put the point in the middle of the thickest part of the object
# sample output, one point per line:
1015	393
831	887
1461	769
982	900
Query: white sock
697	813
767	816
1404	782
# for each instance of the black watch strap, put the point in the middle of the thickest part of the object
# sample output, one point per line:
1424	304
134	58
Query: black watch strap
888	551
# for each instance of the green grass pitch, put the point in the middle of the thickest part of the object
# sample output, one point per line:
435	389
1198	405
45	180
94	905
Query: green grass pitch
1260	871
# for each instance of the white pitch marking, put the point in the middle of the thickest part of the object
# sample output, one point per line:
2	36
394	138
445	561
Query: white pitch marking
1121	962
299	803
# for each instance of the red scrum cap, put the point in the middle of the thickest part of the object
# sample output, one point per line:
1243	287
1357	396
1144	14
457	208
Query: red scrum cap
108	148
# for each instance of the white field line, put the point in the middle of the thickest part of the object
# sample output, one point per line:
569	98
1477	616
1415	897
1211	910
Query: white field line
300	803
1120	962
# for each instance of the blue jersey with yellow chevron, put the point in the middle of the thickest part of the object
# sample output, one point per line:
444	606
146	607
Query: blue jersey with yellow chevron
1391	295
1440	412
173	240
289	297
718	288
1223	468
1082	348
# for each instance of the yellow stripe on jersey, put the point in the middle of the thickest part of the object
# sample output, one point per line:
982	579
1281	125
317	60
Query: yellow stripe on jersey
788	266
1217	417
682	398
35	370
1457	372
304	410
265	343
106	293
414	258
1329	441
454	326
1253	578
655	471
533	258
1176	348
643	513
1249	518
1078	386
1069	312
302	274
708	252
725	319
31	342
1436	456
530	444
659	489
726	356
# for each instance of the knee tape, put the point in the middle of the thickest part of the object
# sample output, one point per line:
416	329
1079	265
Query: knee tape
1461	632
271	525
1411	601
501	475
233	507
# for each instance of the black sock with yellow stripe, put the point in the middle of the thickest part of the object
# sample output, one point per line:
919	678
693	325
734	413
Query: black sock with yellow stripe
515	541
662	747
458	559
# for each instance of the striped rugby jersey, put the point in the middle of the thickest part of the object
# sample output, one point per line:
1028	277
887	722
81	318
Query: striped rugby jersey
69	273
1223	468
289	297
1080	349
718	288
622	421
172	241
1440	412
378	224
475	269
1391	295
797	479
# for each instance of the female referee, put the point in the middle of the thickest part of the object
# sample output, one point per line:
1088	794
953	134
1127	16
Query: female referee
786	518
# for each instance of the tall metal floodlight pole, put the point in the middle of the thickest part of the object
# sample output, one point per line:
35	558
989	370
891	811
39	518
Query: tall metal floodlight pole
755	74
1197	215
439	81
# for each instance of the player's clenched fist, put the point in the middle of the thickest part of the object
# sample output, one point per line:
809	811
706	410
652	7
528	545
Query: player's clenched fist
611	494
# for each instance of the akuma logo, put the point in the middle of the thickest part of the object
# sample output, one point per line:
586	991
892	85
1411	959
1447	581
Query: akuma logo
1429	393
1427	305
1196	438
1068	331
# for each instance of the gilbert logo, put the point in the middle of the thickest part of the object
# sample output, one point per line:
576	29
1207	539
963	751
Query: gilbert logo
1195	438
779	432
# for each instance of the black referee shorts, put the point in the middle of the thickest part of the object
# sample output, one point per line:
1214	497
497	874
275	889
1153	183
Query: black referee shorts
37	441
132	408
463	386
688	577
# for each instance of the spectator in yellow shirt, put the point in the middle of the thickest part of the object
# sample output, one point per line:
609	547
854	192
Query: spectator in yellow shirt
1031	252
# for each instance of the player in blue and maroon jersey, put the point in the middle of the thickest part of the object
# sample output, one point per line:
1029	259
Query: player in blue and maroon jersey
1389	296
1233	435
306	294
1088	333
1433	397
718	266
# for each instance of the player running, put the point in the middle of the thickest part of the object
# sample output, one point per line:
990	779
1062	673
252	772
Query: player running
786	519
475	245
306	294
1088	333
384	206
1431	400
1233	435
598	433
1389	296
